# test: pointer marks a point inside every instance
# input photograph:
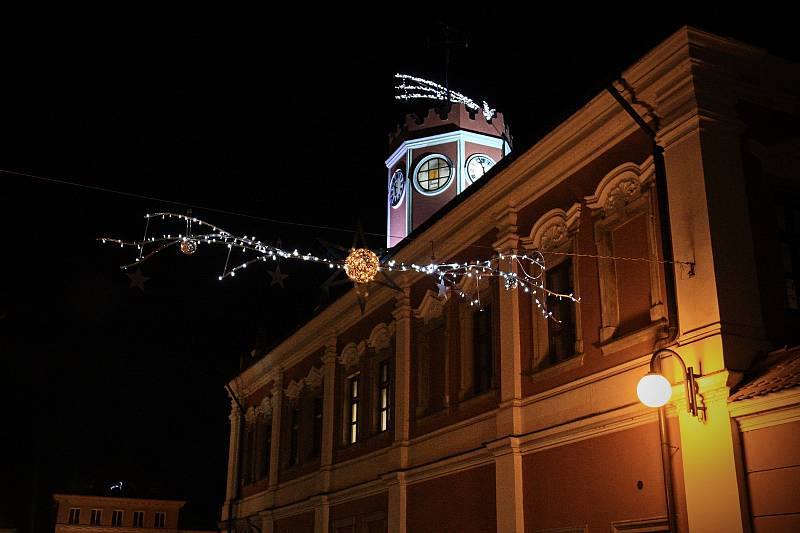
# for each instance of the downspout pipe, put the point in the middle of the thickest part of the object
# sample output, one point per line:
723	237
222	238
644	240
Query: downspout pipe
238	471
669	282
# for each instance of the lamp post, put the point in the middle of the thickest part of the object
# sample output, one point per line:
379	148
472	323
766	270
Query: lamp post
654	390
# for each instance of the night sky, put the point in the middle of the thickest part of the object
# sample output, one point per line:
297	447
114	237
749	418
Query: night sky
270	115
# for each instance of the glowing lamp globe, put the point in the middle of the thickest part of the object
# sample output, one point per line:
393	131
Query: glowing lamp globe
654	390
361	265
189	246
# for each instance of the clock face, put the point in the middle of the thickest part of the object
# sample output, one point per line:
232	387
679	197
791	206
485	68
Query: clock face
478	165
397	186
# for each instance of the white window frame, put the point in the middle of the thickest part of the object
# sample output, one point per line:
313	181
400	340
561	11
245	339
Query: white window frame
440	190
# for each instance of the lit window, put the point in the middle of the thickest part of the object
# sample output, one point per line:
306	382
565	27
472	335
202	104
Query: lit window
138	519
383	395
116	518
95	516
352	395
74	516
159	519
433	174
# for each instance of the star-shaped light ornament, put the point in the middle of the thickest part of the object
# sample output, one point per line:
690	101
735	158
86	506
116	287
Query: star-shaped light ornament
277	277
442	288
137	279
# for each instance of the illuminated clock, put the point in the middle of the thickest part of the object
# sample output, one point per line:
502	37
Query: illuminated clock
478	165
397	186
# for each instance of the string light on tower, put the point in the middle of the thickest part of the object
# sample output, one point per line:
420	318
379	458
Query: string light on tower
414	88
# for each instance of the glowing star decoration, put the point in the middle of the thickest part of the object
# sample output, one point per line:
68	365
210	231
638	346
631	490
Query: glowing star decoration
413	88
189	246
361	265
516	271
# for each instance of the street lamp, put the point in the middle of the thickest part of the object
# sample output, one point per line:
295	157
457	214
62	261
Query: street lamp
654	390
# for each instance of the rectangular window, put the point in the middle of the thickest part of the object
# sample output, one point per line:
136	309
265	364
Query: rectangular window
384	392
266	447
116	518
352	403
138	519
294	437
482	367
316	442
159	519
560	332
95	516
74	516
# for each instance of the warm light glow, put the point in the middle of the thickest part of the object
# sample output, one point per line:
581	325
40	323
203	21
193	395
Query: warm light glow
654	390
361	265
189	246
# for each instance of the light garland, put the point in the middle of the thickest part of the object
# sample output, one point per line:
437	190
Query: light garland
414	88
518	271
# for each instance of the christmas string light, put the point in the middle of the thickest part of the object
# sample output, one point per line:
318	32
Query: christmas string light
413	88
523	271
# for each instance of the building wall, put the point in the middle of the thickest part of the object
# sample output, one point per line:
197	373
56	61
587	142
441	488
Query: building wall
772	460
555	440
459	502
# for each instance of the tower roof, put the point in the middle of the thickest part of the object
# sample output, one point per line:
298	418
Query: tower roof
444	118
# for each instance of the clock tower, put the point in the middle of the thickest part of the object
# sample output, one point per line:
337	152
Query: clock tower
435	158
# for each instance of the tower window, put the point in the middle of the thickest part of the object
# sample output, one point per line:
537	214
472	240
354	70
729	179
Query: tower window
433	174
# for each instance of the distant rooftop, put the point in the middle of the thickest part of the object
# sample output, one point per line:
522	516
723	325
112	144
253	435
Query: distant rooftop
779	371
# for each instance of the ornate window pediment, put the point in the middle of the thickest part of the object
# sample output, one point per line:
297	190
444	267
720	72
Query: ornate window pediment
264	409
352	353
294	389
381	336
431	307
314	378
622	186
554	229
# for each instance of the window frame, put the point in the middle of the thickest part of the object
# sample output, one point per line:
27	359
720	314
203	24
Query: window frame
95	517
163	522
74	516
352	425
135	522
383	385
626	192
117	517
450	179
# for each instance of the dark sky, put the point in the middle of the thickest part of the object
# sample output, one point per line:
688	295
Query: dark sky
277	115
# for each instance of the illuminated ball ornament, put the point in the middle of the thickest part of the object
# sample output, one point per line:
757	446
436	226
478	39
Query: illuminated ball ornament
654	390
361	265
189	246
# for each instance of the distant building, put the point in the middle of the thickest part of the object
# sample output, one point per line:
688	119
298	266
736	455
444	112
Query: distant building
103	514
671	206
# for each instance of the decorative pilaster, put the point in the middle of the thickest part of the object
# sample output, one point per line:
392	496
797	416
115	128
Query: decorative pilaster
396	492
508	485
233	451
277	413
322	515
402	375
509	417
328	411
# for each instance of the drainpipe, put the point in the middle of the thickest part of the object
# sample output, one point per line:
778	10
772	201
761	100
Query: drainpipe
239	459
669	282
